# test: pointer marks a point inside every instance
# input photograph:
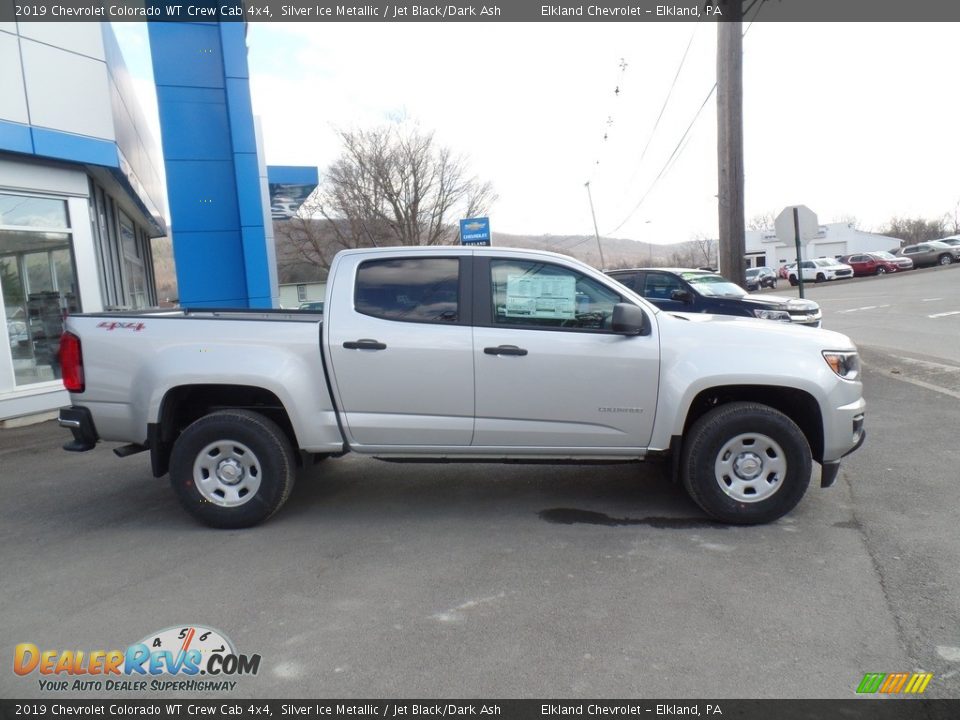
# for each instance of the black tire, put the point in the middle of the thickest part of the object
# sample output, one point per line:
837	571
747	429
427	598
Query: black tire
257	452
820	277
881	270
716	493
793	281
945	259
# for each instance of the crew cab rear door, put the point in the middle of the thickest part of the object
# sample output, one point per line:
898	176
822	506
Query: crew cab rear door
401	349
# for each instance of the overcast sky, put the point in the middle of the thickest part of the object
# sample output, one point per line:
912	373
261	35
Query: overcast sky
852	120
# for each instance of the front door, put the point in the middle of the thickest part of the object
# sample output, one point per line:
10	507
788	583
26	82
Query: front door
550	372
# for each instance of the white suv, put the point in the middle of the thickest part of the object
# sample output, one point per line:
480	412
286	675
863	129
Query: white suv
821	269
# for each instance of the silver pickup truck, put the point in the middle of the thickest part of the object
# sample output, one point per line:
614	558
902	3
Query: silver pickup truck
464	354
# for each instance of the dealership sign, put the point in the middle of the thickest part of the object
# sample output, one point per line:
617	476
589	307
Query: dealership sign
475	231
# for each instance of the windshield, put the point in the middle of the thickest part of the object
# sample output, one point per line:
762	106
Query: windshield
753	272
884	255
713	285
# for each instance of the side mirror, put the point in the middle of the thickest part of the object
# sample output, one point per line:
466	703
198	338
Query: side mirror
630	320
681	295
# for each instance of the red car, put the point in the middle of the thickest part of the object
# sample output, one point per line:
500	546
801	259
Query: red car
869	264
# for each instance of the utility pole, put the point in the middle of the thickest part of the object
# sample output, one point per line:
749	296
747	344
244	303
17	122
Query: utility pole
595	231
730	140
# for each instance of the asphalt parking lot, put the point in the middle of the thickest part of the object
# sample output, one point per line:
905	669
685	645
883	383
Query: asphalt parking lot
380	580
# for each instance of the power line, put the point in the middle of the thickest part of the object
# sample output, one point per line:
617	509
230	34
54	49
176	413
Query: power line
666	101
677	150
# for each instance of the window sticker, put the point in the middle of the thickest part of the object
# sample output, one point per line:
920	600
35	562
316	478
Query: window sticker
541	296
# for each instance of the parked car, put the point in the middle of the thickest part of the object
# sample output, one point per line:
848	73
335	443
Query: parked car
820	270
933	252
699	291
903	263
446	354
784	271
17	333
869	264
952	241
761	277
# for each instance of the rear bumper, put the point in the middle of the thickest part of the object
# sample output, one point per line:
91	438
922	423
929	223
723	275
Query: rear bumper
80	423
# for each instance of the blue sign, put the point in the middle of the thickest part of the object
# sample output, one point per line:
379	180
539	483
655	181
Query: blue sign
475	231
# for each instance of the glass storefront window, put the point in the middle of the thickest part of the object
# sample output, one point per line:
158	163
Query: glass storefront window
33	212
38	281
133	264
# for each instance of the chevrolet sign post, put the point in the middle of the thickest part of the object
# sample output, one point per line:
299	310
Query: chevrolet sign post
475	231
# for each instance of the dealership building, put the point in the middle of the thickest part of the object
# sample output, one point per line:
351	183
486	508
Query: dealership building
82	191
833	240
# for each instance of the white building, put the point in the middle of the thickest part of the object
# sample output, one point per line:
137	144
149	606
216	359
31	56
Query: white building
763	248
80	198
293	294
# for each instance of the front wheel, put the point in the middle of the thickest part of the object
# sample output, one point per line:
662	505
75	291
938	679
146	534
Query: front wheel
745	463
881	270
793	281
232	468
821	277
945	259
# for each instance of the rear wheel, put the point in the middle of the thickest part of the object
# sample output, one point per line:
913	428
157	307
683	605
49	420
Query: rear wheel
746	463
881	270
232	469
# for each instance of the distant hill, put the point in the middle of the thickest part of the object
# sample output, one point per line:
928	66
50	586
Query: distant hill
616	252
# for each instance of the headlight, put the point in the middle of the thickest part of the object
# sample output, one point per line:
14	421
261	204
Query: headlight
844	364
772	315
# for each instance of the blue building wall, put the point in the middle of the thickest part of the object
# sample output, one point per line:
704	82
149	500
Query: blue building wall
210	154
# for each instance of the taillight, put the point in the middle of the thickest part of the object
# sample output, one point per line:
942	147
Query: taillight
71	363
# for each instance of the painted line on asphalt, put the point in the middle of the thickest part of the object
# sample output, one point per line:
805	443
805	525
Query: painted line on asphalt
944	314
912	381
867	307
927	363
930	299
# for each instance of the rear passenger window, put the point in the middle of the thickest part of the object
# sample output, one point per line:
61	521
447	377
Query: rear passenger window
409	289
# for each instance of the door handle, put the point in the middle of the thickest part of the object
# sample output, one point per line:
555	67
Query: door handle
505	350
364	344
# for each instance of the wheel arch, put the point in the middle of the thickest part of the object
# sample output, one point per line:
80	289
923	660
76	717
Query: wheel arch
798	405
183	404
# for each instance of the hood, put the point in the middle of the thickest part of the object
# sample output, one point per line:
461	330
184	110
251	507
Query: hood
774	302
757	334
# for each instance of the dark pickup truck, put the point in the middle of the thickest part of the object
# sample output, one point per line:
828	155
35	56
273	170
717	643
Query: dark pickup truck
703	291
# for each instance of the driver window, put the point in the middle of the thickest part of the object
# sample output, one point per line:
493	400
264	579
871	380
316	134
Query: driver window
541	295
659	286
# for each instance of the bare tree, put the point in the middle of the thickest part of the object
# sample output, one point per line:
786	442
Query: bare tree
706	250
762	221
915	230
395	185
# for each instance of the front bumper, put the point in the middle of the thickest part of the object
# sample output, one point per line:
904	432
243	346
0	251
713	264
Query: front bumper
80	422
829	470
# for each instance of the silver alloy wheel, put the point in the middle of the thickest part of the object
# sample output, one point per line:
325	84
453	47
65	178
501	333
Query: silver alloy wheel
227	473
750	467
881	270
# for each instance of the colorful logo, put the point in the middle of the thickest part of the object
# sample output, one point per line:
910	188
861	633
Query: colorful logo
894	683
189	651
